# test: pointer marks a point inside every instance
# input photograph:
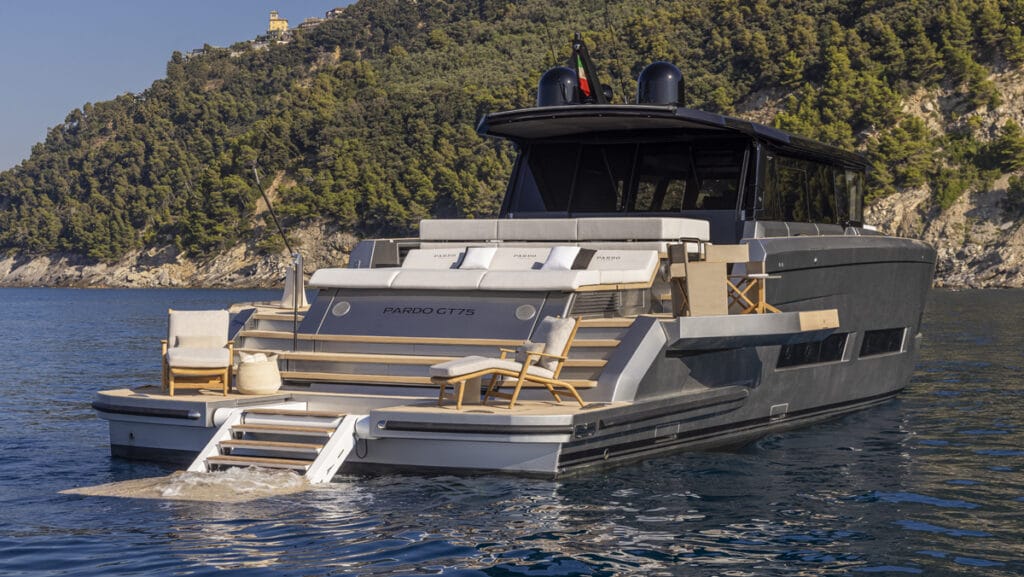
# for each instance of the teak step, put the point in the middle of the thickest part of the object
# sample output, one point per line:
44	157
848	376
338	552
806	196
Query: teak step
284	430
388	359
595	343
609	323
390	380
275	445
385	339
295	413
271	462
355	378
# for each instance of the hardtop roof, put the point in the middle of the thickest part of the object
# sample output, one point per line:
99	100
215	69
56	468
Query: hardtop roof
532	124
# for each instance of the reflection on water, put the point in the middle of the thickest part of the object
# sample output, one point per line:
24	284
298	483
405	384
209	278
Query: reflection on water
929	484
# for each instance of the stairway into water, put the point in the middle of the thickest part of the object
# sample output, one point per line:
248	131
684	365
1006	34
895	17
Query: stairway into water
313	443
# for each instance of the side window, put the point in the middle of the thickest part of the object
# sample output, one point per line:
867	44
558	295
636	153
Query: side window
882	341
842	195
828	350
855	184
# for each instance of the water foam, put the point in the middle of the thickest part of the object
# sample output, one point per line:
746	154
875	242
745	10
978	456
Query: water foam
231	486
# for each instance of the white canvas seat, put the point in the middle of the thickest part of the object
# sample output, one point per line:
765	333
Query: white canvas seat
443	279
539	280
625	266
353	277
472	364
469	229
537	361
197	353
433	258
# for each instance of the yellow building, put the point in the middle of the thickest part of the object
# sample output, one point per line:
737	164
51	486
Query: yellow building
277	24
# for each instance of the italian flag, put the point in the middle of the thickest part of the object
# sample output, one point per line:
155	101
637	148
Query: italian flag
581	72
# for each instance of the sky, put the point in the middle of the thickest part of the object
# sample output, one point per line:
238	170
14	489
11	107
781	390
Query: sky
56	55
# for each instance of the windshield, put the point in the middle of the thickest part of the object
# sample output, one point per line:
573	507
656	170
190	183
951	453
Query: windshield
657	177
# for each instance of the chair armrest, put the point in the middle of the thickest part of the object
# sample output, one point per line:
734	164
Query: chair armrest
550	356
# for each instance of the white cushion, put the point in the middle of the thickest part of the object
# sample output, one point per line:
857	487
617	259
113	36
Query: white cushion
182	358
438	279
199	342
539	280
472	364
640	228
519	258
539	229
459	229
209	323
625	266
554	333
561	258
478	257
526	348
434	259
353	277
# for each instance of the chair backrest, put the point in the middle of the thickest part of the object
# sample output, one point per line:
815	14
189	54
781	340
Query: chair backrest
197	329
557	335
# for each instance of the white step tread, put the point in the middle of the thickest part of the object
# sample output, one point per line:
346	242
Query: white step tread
284	429
274	445
295	413
270	462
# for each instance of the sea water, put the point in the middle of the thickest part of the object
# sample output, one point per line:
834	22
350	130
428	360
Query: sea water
931	483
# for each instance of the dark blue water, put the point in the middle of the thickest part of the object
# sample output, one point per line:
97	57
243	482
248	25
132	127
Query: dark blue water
930	484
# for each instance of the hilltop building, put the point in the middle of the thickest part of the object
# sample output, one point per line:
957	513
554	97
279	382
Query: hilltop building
278	26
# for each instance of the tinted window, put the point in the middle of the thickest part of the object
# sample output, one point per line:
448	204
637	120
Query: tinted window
800	190
881	342
828	350
662	177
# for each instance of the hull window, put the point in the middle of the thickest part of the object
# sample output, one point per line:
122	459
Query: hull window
829	350
881	342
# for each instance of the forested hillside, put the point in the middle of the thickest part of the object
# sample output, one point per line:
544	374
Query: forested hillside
367	121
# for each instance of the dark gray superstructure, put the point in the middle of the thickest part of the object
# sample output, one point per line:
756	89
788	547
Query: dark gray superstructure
730	289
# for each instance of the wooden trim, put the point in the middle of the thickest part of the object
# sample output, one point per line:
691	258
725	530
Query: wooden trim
610	323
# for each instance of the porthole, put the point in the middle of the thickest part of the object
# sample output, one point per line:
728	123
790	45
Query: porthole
341	309
526	312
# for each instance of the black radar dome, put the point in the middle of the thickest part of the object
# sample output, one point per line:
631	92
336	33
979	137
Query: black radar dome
558	87
660	83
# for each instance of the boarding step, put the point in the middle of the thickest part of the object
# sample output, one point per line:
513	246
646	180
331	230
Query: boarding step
388	359
315	443
269	462
294	377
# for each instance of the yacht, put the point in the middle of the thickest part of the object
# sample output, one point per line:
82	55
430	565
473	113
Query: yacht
717	278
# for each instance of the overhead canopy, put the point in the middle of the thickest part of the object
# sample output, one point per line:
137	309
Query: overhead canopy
530	124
